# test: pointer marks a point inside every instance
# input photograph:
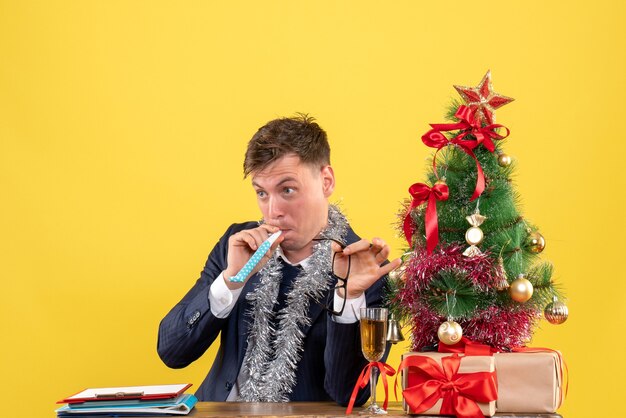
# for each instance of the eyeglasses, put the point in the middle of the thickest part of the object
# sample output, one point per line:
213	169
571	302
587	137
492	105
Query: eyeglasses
340	276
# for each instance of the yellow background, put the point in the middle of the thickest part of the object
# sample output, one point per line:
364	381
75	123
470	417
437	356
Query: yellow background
123	126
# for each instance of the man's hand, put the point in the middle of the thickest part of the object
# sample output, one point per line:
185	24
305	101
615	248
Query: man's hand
365	264
241	247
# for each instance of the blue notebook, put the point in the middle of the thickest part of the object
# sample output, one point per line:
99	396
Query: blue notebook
180	405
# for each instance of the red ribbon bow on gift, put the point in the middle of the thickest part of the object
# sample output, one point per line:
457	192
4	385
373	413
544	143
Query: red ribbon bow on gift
422	193
460	391
469	126
364	378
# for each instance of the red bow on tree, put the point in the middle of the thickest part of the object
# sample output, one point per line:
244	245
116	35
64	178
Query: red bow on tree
422	193
469	125
460	392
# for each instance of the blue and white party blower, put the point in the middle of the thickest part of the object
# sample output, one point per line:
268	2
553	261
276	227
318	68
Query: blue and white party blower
256	257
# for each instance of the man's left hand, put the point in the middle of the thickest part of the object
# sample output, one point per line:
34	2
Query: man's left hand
365	264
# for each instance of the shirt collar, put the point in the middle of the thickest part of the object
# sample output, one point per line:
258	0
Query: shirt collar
305	264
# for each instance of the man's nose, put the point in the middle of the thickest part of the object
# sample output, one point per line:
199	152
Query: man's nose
274	209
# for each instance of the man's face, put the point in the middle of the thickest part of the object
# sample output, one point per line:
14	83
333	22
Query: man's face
294	197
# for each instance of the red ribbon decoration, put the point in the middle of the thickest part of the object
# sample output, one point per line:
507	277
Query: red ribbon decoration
422	193
467	347
364	378
470	126
460	391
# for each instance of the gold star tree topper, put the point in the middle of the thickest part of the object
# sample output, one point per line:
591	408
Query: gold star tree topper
483	100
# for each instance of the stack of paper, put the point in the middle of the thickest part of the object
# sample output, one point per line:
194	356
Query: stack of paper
129	401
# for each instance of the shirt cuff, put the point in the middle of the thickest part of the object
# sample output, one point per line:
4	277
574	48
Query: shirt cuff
351	312
221	298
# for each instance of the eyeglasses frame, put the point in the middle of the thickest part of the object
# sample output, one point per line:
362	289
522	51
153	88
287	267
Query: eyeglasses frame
338	279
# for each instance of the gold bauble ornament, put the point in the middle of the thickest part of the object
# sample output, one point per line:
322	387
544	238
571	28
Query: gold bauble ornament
442	182
521	289
450	332
504	160
556	312
535	242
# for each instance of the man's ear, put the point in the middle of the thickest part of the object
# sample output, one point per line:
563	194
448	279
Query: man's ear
328	180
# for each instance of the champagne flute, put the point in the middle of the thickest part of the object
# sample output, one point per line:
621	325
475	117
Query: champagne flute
373	343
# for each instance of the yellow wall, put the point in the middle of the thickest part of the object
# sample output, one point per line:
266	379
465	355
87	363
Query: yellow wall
123	125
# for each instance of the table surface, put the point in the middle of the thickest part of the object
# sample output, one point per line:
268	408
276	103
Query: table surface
304	409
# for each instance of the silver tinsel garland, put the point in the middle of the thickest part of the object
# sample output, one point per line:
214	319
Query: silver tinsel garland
273	353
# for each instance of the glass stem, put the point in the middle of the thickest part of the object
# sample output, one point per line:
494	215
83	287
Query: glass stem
373	376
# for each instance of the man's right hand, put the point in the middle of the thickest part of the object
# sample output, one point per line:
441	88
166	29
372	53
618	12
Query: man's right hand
241	247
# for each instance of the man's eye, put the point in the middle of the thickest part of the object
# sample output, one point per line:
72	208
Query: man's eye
261	194
288	190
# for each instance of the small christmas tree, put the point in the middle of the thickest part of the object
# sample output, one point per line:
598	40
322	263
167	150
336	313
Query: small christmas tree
473	265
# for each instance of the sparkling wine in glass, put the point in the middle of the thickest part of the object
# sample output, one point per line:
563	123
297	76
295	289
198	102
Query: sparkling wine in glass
373	343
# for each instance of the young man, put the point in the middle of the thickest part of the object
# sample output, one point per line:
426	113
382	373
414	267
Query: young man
290	331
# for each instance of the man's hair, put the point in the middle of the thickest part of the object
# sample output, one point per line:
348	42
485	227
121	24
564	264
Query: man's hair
299	135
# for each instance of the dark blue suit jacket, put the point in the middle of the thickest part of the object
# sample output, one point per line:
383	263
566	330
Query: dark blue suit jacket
331	361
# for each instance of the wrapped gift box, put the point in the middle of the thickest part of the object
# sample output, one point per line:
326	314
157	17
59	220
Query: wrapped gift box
529	381
468	364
